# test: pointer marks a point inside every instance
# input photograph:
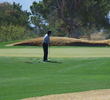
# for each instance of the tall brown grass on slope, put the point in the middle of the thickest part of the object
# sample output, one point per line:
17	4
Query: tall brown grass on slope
62	41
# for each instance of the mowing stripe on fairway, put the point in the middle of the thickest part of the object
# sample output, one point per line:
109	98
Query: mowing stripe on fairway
57	52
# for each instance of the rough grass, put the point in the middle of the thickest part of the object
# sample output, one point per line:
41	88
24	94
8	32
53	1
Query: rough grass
29	77
63	41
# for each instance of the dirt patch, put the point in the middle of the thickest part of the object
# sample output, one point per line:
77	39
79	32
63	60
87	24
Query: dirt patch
88	95
62	41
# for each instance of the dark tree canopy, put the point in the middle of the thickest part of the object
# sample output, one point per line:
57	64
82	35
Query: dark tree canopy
69	15
14	22
13	14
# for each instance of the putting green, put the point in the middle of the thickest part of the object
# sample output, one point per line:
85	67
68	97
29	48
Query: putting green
59	52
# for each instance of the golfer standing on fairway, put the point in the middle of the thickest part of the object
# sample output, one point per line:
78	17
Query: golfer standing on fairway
46	41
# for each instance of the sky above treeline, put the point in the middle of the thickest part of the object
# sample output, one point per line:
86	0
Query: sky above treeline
25	3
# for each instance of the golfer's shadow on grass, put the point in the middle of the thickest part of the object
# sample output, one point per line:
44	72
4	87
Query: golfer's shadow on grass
51	61
41	61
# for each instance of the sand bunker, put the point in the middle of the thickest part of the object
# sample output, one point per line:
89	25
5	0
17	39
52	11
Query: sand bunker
88	95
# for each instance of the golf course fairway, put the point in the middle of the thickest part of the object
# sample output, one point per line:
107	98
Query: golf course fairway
58	52
23	74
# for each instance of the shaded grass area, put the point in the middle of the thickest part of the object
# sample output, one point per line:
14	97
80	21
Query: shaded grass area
28	77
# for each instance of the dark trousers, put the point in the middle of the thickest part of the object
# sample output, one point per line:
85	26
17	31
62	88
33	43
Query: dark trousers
45	49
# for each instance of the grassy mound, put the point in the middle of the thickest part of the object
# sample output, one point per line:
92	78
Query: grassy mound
63	41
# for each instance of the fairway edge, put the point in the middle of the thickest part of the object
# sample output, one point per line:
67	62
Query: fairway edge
87	95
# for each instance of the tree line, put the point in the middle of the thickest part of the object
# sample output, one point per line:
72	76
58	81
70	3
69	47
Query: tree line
14	24
72	18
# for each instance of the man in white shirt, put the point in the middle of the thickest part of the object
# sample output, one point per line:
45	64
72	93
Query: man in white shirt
46	41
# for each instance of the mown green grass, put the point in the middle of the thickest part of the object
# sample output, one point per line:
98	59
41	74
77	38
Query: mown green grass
72	69
22	77
57	52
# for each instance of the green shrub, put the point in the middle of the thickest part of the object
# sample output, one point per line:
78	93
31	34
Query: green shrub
12	32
